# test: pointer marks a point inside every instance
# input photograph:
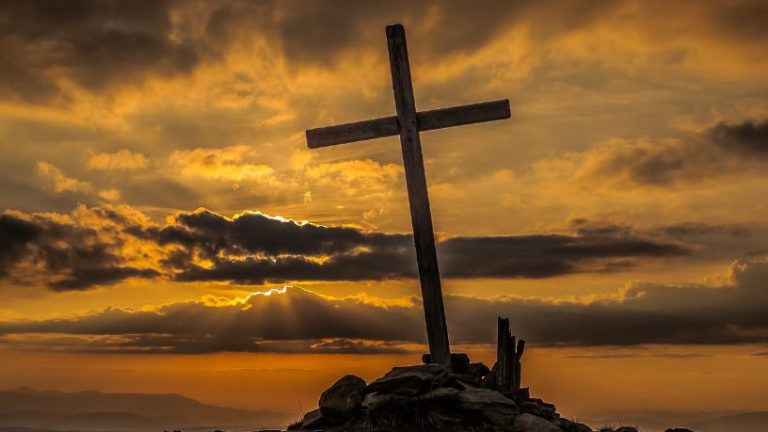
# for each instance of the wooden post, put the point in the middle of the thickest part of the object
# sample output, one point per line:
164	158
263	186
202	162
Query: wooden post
518	366
502	354
510	384
421	217
508	355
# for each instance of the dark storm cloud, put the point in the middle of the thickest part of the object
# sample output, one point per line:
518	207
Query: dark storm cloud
318	31
81	278
536	256
302	321
197	327
96	43
257	233
62	255
281	250
252	248
15	235
749	138
725	149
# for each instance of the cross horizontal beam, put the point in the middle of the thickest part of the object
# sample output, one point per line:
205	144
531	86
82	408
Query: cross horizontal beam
426	120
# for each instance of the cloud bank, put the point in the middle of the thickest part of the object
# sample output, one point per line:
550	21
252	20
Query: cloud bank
297	320
105	245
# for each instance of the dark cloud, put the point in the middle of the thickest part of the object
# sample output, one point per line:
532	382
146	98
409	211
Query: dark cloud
725	149
61	254
80	278
95	43
103	43
278	250
749	138
15	236
297	319
536	256
252	248
256	233
625	355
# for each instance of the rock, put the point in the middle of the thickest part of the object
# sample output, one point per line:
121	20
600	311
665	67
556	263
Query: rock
441	393
374	398
626	429
531	423
519	395
313	419
489	380
477	370
459	361
339	402
491	404
412	380
678	430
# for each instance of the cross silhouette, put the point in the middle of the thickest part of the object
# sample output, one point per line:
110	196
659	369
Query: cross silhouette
408	123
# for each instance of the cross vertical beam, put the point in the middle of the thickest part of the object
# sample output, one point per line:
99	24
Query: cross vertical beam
421	217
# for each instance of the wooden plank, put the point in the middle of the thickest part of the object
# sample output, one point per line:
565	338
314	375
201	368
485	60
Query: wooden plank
502	343
517	382
351	132
463	115
425	120
510	384
421	217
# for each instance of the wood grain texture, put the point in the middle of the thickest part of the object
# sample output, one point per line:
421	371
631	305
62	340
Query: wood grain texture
421	217
502	353
463	115
426	120
352	132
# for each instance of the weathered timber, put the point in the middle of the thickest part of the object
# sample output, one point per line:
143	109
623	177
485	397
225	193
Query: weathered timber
416	182
517	383
463	115
508	355
510	384
351	132
502	354
425	120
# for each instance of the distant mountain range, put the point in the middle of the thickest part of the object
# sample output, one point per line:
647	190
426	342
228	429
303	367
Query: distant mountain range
29	410
654	421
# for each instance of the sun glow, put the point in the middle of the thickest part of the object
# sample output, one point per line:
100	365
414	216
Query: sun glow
269	292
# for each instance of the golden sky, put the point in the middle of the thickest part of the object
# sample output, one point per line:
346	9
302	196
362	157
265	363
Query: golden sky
163	219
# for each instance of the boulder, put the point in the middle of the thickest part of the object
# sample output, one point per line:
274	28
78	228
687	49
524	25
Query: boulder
520	395
489	380
441	394
412	380
372	399
459	361
489	404
477	370
340	401
313	419
531	423
626	429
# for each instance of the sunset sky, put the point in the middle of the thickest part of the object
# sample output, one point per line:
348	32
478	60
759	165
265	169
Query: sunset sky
164	227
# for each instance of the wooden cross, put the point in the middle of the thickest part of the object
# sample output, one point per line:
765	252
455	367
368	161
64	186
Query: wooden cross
408	123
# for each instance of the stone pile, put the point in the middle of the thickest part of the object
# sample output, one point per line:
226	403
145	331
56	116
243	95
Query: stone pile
432	397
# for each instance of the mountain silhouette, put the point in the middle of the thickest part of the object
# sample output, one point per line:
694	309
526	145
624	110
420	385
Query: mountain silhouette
91	410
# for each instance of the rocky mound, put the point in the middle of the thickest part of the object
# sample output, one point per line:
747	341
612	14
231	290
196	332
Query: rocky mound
436	398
